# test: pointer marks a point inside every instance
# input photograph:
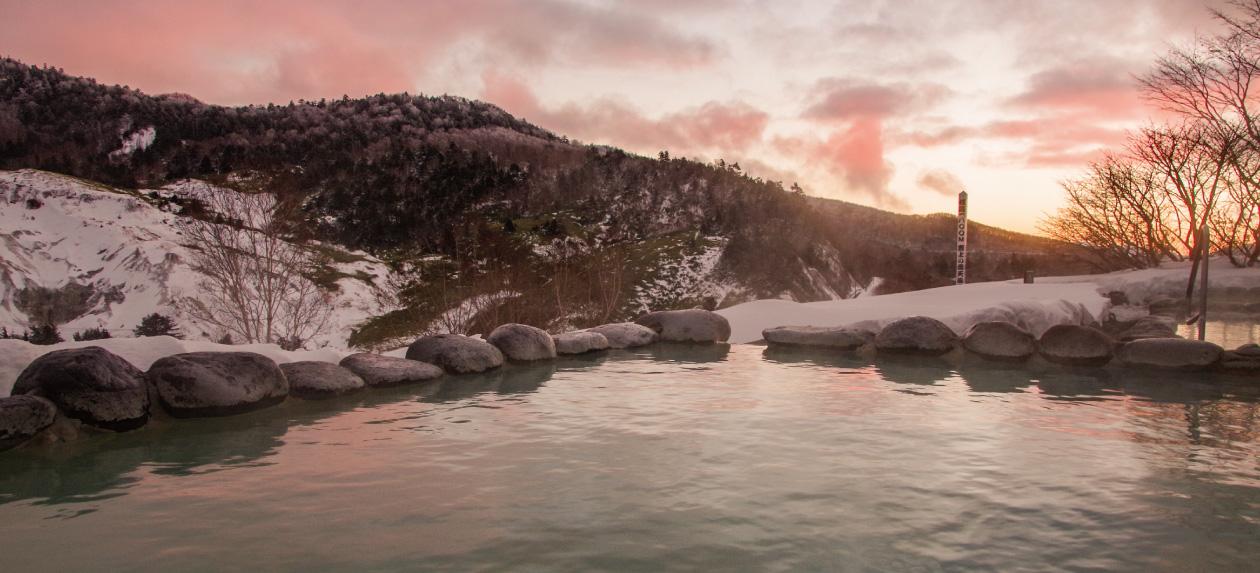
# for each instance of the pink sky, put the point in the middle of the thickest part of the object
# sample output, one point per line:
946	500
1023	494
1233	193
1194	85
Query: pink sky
889	103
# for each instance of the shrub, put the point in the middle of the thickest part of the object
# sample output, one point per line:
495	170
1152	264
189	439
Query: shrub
92	334
158	325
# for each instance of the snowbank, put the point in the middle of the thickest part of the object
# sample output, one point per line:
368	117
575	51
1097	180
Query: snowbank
1169	280
1036	307
142	352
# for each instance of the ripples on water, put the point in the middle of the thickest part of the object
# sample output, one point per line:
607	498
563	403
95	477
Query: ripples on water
676	458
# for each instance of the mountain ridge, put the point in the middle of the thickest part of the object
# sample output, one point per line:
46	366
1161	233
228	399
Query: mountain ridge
465	202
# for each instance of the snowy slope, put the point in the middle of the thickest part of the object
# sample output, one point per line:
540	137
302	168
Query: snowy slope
56	230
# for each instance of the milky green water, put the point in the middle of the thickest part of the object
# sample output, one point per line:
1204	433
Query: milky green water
676	458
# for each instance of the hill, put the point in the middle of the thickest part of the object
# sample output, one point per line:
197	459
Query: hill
482	218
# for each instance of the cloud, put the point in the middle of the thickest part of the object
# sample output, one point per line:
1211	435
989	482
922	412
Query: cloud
838	99
713	127
1103	89
852	156
235	51
940	181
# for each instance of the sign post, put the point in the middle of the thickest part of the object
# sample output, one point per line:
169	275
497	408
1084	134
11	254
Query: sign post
960	268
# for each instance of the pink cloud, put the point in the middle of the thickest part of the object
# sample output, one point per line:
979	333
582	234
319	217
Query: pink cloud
724	128
1099	88
838	99
234	51
853	155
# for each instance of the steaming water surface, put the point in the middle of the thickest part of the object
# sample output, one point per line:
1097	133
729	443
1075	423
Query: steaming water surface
676	458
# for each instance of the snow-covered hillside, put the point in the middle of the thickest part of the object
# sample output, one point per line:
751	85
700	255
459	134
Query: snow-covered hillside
85	255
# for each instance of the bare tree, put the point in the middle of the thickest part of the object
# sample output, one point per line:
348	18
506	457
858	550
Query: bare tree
1117	212
256	285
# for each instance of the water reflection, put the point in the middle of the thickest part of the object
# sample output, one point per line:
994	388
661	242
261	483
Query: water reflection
814	356
919	370
509	379
996	377
688	353
1229	332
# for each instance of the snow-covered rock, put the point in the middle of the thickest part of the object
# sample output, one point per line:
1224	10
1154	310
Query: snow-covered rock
579	342
1170	353
916	335
143	352
839	338
1076	345
625	334
199	384
312	380
690	325
456	353
91	385
1000	341
522	342
22	417
377	370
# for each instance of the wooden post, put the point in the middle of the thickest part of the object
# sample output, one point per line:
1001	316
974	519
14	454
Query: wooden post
1203	282
960	265
1029	277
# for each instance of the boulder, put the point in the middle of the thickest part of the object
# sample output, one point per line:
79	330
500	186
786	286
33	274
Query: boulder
1245	359
1149	327
22	418
1076	345
377	370
1000	341
579	342
836	337
691	325
1170	353
625	334
456	353
89	384
314	379
523	342
916	335
200	384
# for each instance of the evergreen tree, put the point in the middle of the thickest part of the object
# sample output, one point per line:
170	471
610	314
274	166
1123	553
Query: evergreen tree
44	335
158	325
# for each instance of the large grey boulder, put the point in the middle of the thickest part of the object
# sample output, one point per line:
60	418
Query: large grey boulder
378	371
90	384
1076	345
691	325
579	342
201	384
1000	341
834	337
916	335
522	342
1149	327
1170	353
625	334
22	418
313	380
456	353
